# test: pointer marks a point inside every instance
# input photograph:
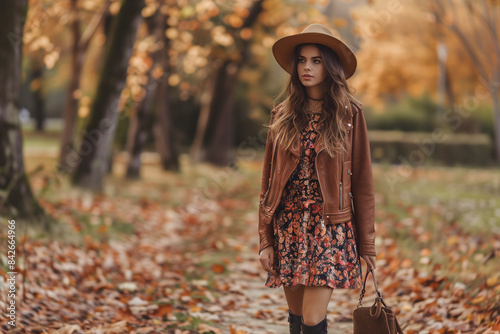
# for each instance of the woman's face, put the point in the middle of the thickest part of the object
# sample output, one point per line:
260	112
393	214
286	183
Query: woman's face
310	68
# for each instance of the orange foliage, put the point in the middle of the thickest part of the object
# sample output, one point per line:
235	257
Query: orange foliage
398	53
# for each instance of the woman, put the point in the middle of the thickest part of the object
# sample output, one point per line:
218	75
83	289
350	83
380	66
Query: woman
316	212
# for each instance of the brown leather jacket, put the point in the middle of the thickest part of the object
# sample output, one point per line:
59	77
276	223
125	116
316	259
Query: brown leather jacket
346	182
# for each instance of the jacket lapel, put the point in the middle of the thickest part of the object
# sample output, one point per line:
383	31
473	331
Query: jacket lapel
318	145
295	149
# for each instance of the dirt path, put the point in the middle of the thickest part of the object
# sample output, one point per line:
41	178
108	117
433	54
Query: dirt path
157	257
270	303
265	310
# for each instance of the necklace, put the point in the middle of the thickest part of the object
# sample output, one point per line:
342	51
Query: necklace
317	107
316	99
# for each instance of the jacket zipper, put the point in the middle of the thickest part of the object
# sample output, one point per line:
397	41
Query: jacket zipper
271	171
352	202
340	185
350	193
319	181
340	194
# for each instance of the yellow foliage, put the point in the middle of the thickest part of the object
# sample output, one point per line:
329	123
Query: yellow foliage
398	52
339	22
233	20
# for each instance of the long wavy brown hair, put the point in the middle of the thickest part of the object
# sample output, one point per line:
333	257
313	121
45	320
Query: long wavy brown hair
337	95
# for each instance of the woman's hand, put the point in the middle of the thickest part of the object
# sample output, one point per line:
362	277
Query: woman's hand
370	261
266	258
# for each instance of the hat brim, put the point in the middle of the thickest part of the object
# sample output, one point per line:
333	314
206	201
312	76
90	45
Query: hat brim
283	50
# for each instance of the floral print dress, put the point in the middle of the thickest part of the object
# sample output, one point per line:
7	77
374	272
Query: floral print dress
306	250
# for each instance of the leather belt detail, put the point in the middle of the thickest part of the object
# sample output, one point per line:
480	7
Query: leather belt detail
339	216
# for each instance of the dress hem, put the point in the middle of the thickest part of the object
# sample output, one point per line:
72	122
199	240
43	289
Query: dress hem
326	285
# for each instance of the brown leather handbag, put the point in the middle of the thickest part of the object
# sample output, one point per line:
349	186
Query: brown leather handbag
376	319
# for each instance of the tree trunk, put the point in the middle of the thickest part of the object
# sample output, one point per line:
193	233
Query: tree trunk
195	152
450	96
163	127
70	114
108	22
141	120
496	120
68	154
16	197
98	137
219	151
37	91
441	84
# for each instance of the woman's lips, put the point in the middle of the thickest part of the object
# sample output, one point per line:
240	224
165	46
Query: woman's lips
307	76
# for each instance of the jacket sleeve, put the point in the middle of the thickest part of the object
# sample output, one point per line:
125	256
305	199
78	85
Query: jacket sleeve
362	186
266	232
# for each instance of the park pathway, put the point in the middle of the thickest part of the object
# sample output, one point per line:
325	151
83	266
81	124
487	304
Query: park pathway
264	310
177	254
271	307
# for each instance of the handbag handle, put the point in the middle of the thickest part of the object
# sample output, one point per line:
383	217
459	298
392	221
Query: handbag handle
378	300
377	306
379	294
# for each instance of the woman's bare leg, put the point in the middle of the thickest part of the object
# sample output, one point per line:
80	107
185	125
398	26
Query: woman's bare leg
294	295
315	303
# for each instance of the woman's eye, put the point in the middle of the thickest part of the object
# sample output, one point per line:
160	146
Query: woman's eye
316	61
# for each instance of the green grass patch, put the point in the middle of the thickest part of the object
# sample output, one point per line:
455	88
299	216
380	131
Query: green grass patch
453	212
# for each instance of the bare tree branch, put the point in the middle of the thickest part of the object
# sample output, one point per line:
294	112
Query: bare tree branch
454	10
483	72
476	15
495	16
470	49
491	24
92	27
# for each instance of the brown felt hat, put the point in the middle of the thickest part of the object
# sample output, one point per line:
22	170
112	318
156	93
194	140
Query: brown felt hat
314	33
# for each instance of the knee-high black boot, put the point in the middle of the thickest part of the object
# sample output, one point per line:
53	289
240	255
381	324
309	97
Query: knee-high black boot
319	328
295	323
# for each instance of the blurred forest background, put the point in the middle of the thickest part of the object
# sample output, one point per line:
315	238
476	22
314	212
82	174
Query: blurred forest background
160	105
199	78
